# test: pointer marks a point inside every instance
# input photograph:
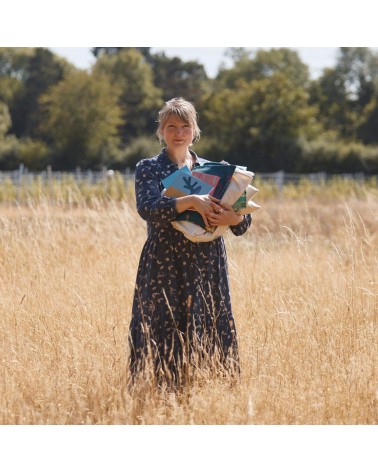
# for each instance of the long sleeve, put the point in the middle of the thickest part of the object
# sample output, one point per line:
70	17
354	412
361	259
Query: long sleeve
151	206
241	228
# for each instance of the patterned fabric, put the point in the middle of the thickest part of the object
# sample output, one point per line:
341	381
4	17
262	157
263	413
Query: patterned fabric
182	300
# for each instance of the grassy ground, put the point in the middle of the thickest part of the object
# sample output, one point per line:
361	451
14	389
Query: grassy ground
304	289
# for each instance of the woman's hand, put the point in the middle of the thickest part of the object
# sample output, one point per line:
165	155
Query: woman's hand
205	205
199	203
224	216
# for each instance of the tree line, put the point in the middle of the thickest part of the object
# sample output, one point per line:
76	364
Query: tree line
264	111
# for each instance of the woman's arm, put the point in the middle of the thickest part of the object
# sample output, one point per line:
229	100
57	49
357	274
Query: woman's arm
151	206
241	228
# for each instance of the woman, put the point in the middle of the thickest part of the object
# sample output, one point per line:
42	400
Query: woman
182	309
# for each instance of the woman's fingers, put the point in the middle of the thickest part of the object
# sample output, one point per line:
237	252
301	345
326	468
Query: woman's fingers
205	219
215	207
213	218
226	206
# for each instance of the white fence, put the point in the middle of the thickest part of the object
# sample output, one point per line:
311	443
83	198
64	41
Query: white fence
22	176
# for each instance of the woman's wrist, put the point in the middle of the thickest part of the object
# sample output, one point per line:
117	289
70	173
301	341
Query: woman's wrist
238	219
184	203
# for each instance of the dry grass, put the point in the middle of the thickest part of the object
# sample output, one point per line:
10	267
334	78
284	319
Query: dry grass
304	289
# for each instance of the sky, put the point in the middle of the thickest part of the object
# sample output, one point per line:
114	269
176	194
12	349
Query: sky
317	58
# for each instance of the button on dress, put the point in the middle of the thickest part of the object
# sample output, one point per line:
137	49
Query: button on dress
181	307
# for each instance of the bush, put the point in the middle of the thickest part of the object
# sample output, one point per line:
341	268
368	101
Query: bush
139	148
9	153
34	154
337	157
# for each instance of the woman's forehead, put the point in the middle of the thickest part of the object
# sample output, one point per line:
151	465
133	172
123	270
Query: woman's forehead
174	119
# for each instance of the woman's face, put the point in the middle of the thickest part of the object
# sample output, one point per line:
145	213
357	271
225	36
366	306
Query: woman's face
177	134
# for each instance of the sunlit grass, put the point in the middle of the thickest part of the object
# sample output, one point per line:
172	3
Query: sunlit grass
304	291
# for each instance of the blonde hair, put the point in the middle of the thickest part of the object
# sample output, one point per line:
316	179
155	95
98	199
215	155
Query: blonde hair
182	109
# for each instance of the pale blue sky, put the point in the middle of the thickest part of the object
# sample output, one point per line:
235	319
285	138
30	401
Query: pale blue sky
317	58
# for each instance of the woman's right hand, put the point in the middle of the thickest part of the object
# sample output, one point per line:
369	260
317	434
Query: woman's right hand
205	203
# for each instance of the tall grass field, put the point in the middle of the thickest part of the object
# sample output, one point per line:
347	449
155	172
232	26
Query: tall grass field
304	288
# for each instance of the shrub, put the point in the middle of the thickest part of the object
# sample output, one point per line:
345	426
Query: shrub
337	157
139	148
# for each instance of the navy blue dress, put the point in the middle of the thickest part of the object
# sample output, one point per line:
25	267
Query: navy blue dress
182	299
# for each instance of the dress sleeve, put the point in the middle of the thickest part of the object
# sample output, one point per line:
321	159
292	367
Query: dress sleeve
242	227
151	206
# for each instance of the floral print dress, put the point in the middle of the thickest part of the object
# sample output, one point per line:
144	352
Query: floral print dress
182	298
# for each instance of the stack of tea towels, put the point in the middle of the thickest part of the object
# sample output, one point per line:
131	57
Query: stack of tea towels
227	182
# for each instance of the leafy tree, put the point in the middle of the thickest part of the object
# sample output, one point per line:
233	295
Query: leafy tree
98	52
344	93
259	123
263	63
14	66
81	117
368	122
358	71
43	70
259	110
178	78
5	120
139	99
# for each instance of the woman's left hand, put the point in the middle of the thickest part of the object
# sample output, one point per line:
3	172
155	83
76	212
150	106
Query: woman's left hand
226	216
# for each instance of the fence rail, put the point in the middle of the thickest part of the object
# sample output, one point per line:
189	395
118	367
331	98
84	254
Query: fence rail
23	176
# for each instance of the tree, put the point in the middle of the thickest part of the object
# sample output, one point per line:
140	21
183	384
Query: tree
98	52
368	122
259	123
139	99
259	110
44	69
14	67
5	120
178	78
344	93
263	63
81	118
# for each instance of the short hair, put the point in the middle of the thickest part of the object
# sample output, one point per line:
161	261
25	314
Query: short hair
182	109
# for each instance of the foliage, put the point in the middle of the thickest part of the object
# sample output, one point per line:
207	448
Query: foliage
14	70
44	70
337	157
5	120
346	95
264	129
139	99
82	116
139	148
264	63
32	153
263	111
177	78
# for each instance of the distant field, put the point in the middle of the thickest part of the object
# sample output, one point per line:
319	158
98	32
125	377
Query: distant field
304	283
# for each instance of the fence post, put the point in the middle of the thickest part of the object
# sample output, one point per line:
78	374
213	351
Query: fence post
280	179
19	181
49	180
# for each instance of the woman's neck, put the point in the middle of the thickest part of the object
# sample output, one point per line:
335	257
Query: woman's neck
181	158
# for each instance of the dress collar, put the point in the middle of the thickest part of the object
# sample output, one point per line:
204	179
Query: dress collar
163	157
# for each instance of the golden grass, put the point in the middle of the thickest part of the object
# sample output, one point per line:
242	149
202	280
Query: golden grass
304	290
